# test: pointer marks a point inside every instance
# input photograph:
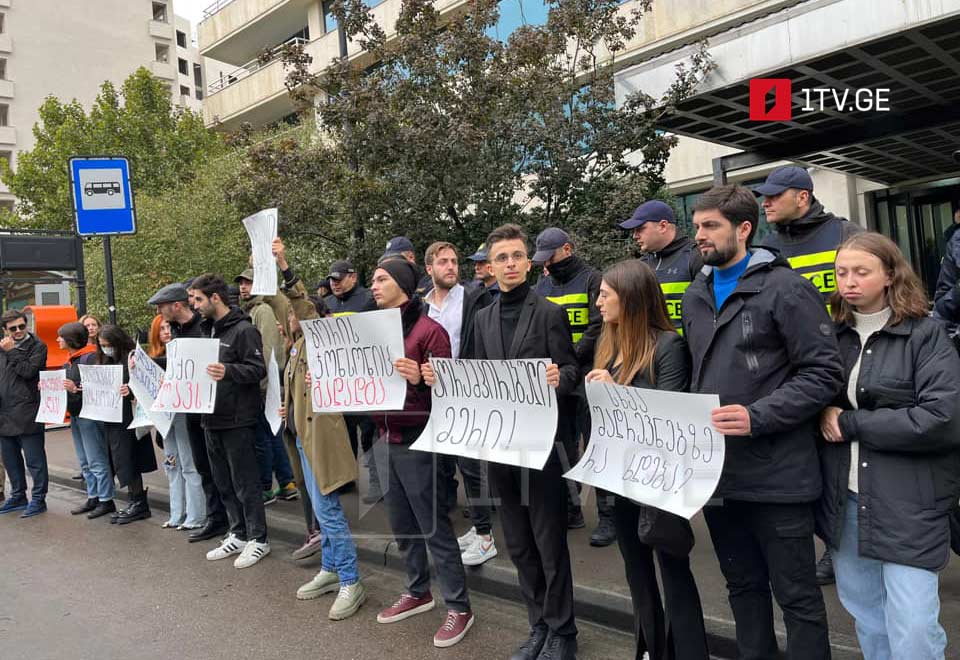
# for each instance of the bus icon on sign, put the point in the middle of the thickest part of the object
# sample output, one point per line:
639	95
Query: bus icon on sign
102	188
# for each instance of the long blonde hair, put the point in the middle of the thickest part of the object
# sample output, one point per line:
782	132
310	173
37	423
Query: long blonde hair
905	295
643	314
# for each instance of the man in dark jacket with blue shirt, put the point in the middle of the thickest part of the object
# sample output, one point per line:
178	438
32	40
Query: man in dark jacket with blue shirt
761	339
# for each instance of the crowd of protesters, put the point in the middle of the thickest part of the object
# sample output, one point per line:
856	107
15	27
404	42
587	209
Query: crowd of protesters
838	390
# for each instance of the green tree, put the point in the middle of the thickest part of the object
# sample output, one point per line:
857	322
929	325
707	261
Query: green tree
166	146
452	132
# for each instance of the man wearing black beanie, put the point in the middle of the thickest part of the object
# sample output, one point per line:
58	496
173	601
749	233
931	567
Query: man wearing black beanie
418	520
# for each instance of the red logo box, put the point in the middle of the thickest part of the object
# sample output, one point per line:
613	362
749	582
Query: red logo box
782	109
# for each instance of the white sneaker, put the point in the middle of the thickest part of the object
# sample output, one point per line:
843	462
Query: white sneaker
480	551
467	539
228	546
254	552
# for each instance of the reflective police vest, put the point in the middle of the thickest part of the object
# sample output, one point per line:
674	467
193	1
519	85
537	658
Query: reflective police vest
673	273
814	257
573	296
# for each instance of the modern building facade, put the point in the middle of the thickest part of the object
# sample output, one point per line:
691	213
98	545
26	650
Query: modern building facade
67	48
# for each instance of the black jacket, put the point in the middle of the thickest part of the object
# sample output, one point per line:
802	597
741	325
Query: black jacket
786	235
908	430
679	261
573	275
356	300
20	369
542	332
238	400
191	329
671	365
946	299
771	348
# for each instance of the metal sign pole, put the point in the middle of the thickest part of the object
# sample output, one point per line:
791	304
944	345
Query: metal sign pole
108	272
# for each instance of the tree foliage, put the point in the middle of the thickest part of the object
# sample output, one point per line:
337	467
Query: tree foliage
443	131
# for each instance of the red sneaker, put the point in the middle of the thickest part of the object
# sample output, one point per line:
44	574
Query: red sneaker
406	607
453	629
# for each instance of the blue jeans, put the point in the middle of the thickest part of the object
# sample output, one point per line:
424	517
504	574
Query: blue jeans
896	607
188	504
98	474
271	456
88	479
17	448
339	554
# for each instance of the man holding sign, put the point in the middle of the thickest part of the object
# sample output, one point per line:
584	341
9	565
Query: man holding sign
521	324
231	427
761	339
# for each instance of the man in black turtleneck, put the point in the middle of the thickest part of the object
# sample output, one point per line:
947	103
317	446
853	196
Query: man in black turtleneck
574	286
533	504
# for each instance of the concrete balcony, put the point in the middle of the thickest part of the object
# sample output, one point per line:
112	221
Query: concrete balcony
8	135
6	43
160	30
6	89
259	98
162	70
236	31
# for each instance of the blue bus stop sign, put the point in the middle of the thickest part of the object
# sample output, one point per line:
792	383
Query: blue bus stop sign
102	197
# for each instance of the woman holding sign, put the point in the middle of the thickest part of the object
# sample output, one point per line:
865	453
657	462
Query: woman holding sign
132	456
890	466
639	347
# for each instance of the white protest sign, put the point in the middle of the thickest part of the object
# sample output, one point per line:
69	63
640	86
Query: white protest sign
141	417
187	387
146	378
493	410
101	392
654	447
53	398
351	362
262	229
272	403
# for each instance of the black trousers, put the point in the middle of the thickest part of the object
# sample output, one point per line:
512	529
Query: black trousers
764	547
671	629
201	459
361	430
533	510
237	476
605	499
476	482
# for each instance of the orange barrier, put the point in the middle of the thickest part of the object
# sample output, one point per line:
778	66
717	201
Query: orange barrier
44	321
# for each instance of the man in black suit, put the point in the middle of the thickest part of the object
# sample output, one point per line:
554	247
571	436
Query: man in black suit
533	509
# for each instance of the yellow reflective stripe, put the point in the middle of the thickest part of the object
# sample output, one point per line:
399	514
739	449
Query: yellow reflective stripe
344	313
815	259
680	331
576	336
673	287
570	299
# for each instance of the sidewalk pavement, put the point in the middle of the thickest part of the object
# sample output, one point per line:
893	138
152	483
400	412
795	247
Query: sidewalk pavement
601	591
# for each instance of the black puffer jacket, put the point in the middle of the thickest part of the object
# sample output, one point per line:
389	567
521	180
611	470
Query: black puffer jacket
20	369
771	348
238	400
908	430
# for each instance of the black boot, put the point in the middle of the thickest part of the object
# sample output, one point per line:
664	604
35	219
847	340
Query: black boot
575	518
103	508
212	529
138	510
531	647
115	516
825	569
606	532
89	505
559	647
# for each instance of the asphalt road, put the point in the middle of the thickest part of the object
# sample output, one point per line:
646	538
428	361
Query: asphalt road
77	589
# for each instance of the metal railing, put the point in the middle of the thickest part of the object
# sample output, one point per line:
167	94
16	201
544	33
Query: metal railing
252	66
215	7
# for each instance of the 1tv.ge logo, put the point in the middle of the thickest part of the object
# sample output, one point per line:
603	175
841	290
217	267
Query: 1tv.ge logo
771	99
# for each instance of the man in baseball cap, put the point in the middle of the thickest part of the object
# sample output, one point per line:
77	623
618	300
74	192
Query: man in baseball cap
483	271
348	296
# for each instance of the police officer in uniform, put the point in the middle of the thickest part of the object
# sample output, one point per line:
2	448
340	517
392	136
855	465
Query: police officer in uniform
807	236
574	286
674	258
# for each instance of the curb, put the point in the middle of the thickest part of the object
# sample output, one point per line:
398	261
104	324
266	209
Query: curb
591	604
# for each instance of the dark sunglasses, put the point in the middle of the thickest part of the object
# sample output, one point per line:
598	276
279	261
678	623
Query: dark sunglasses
17	328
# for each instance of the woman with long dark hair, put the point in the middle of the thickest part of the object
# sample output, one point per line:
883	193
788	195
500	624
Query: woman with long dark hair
890	464
639	347
132	456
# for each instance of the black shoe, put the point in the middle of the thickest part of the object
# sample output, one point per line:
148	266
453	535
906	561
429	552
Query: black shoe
102	509
213	529
139	510
77	477
115	516
531	647
559	647
604	534
575	518
825	569
89	505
